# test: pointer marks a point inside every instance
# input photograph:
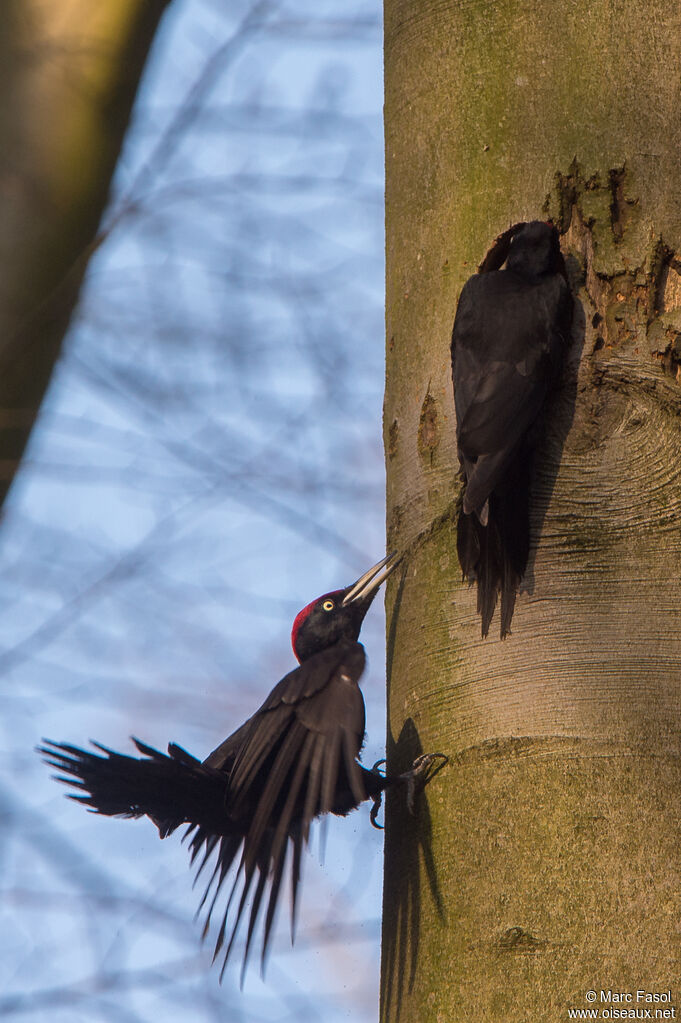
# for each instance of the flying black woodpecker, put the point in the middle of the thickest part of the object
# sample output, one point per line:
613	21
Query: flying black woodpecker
255	796
511	331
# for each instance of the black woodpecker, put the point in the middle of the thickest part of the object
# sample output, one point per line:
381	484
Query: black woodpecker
252	800
511	332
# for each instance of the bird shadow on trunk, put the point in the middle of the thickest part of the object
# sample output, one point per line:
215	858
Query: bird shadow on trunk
408	852
554	425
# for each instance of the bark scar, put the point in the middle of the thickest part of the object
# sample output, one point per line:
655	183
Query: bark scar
632	287
429	428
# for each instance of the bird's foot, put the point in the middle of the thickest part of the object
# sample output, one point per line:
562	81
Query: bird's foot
422	771
377	800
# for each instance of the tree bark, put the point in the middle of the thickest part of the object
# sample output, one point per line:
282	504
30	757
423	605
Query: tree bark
545	860
69	71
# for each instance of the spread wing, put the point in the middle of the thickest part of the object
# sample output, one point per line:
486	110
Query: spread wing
253	799
296	760
171	789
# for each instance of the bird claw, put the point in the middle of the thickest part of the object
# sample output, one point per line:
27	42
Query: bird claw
378	799
373	813
423	769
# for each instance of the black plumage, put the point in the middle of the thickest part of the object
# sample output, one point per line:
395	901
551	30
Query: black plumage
254	797
511	331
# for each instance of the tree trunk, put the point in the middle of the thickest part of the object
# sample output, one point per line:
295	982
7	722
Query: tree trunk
69	70
545	860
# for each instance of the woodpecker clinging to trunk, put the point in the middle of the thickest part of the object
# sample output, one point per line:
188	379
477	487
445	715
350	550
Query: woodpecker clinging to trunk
255	796
511	331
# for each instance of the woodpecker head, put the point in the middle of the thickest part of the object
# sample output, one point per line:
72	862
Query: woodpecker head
338	615
534	250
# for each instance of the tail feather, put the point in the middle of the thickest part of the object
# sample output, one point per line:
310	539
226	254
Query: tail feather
495	555
490	571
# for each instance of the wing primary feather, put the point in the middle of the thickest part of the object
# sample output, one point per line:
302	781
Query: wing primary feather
272	904
222	868
223	926
147	751
329	772
296	870
313	786
254	752
249	872
74	783
255	909
209	915
211	880
276	853
277	775
210	842
282	829
352	768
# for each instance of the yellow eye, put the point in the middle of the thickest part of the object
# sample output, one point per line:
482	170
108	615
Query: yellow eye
328	605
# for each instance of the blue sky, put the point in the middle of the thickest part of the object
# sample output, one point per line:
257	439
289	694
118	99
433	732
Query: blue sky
207	461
